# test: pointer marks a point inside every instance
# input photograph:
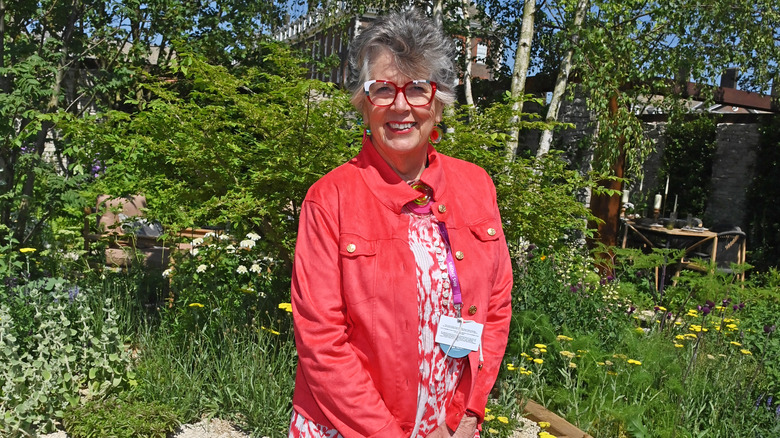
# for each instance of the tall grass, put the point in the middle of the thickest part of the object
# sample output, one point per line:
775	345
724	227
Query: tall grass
243	375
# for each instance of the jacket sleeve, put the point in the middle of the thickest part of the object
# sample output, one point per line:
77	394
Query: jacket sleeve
496	331
339	383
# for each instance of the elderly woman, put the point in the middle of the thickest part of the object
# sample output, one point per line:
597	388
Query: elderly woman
402	277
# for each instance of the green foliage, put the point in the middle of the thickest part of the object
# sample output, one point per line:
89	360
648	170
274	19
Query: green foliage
52	351
687	161
219	282
120	419
538	198
763	197
244	375
220	148
703	366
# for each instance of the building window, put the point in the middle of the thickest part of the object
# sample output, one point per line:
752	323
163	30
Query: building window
482	51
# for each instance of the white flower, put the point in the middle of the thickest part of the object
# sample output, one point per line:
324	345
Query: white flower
224	237
249	244
197	241
201	268
242	269
255	268
209	234
230	248
194	251
253	236
167	273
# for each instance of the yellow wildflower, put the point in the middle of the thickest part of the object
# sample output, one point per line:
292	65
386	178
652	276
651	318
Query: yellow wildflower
26	250
542	257
503	420
572	365
510	367
634	362
746	352
539	361
564	338
540	346
271	331
735	343
679	345
196	305
544	434
492	431
287	307
544	424
489	417
568	354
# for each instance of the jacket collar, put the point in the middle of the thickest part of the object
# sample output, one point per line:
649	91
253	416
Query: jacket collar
387	186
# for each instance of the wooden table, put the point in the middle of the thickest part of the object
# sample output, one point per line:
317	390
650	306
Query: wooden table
655	235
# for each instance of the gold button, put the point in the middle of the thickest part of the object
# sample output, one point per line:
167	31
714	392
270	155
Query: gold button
472	310
491	231
459	255
442	208
351	248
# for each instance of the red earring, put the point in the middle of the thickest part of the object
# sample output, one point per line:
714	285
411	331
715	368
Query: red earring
436	135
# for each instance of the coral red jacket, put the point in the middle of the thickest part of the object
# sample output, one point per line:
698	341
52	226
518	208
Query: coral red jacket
354	294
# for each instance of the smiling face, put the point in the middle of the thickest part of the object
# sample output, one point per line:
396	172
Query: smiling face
400	132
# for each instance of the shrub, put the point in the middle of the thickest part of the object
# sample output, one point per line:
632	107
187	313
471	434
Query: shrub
118	418
52	351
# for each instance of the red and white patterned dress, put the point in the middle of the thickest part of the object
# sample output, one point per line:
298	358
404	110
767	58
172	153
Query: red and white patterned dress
439	375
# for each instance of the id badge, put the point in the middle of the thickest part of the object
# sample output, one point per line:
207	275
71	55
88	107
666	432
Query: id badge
457	336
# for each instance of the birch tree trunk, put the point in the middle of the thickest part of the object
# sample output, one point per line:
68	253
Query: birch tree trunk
563	79
467	43
520	71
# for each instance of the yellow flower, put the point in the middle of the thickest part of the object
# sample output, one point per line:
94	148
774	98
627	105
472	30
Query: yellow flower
542	257
271	331
677	323
679	337
287	307
564	338
489	417
662	308
510	367
487	410
735	343
640	330
568	354
196	305
746	352
523	354
539	361
544	434
572	365
731	327
612	373
679	345
634	362
601	364
503	420
543	350
544	424
26	250
540	346
492	431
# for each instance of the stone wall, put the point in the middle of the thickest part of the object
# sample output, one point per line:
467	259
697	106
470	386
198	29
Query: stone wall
732	173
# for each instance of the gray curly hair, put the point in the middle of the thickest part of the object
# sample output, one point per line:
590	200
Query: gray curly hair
420	48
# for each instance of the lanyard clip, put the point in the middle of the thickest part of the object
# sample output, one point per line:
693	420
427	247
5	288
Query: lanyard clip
457	310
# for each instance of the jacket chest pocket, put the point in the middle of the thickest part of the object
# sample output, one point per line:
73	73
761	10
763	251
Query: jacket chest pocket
480	251
358	258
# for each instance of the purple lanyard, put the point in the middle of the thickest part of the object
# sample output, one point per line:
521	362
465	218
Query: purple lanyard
457	298
451	271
